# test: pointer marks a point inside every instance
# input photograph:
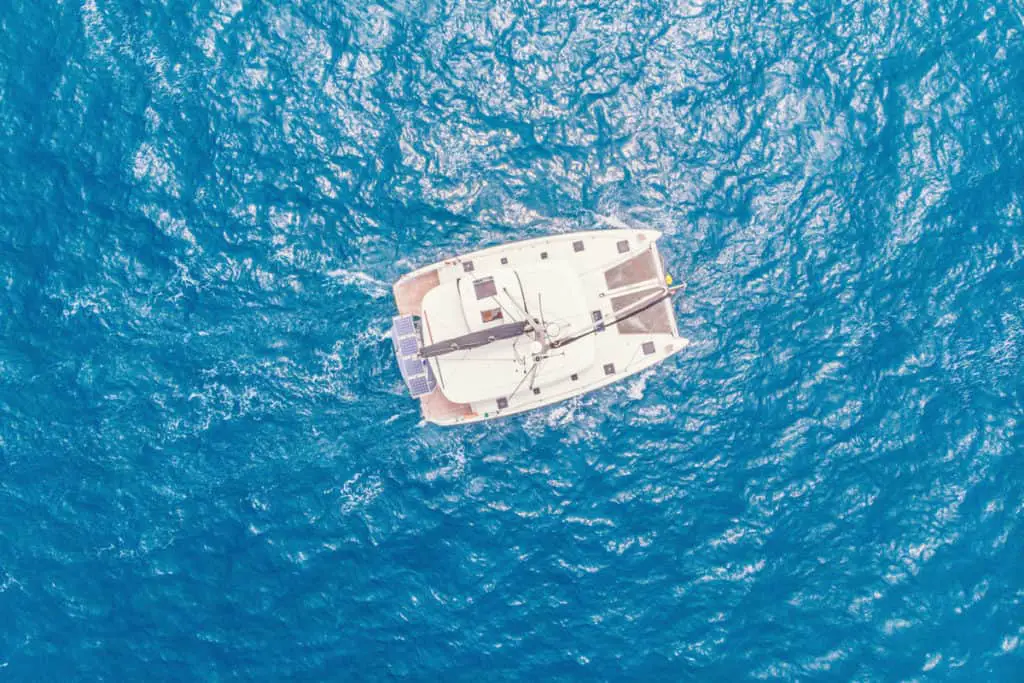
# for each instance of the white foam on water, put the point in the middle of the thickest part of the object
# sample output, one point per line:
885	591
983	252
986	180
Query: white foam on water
153	168
366	283
360	491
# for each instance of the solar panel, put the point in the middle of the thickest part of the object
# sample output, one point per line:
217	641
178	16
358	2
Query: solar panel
419	386
403	325
416	372
408	346
412	366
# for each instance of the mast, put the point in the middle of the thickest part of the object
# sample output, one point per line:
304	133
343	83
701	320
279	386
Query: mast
476	339
512	330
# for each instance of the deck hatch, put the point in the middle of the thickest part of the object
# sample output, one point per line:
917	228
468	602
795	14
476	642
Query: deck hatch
490	315
485	288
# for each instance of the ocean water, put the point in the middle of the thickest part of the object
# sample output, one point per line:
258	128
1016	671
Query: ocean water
209	468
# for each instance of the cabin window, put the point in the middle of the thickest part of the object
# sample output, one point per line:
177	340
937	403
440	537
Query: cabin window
485	288
491	314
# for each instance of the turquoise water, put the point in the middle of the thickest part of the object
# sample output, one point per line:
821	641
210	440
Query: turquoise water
208	465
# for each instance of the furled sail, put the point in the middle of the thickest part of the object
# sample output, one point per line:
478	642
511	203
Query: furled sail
476	339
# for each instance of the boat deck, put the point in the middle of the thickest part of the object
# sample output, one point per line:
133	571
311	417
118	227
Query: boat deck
409	293
573	281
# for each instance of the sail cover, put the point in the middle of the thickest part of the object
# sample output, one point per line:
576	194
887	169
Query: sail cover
416	372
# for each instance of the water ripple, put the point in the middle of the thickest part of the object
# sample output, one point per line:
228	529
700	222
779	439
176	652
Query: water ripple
210	469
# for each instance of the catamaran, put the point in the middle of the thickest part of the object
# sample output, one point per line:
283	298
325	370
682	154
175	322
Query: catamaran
527	324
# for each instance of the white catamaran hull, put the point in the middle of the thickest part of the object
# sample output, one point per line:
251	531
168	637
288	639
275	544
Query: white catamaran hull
520	326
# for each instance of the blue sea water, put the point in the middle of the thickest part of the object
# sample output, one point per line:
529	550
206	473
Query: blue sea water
209	468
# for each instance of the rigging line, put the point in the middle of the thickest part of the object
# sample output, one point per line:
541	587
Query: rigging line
642	305
521	382
616	262
515	349
512	360
608	323
572	320
584	319
633	287
521	292
495	297
440	375
533	369
536	364
633	358
526	314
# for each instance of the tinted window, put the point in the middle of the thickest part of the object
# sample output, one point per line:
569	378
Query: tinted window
485	288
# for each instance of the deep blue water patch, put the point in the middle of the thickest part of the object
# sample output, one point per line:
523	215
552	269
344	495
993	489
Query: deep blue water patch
208	466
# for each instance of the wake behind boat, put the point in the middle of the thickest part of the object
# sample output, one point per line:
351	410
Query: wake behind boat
527	324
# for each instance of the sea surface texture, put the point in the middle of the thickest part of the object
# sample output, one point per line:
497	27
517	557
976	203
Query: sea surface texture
211	470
